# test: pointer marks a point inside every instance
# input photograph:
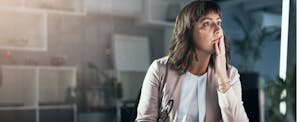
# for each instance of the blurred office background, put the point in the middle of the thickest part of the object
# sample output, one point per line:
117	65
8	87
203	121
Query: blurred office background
85	60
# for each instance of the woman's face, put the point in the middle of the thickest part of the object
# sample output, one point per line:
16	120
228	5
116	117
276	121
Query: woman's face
207	31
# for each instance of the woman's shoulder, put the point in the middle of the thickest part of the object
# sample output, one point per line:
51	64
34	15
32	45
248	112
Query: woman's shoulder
159	65
162	60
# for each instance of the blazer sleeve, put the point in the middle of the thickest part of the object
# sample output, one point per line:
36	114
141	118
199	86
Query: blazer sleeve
147	110
230	102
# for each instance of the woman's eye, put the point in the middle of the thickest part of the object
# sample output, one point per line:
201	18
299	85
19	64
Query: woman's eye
219	23
205	24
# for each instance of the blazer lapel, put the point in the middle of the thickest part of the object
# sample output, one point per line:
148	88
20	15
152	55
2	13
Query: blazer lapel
176	81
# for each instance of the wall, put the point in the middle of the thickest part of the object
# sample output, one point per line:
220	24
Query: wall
83	38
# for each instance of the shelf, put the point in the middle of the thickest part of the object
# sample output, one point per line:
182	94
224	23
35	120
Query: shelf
58	106
23	29
34	107
35	84
156	23
64	113
73	7
120	8
67	6
97	109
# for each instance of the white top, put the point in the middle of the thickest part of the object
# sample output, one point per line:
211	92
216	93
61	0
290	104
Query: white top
192	101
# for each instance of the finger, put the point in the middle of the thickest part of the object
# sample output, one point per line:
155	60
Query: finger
217	51
222	45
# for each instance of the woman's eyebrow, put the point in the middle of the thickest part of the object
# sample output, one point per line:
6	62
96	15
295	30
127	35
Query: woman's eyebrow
202	19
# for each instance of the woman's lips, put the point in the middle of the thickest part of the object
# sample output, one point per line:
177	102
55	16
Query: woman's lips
216	40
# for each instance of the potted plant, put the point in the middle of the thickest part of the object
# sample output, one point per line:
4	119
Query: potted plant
254	40
102	93
278	92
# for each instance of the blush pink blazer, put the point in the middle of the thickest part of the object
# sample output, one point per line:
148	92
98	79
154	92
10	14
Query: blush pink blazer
226	107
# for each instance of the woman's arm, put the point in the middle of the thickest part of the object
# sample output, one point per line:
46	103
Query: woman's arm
230	102
147	110
229	93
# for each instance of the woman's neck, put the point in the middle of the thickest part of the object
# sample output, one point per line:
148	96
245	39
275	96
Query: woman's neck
199	63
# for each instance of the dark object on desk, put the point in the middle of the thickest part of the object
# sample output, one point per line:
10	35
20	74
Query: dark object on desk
250	94
128	111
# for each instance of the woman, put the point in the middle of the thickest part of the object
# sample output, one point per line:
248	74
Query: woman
200	85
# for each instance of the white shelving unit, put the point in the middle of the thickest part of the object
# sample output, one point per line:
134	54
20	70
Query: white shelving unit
36	88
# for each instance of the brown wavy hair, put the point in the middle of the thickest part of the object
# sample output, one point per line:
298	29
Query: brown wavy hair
182	49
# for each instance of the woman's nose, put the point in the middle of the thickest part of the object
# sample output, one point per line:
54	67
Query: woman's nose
218	30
